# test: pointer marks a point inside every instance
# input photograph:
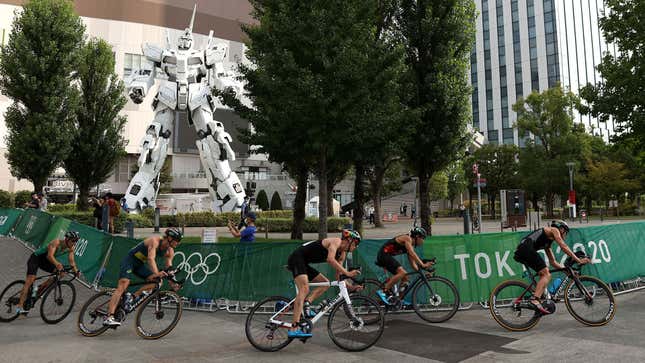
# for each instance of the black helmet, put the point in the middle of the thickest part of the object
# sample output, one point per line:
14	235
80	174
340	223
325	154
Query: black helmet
72	235
351	234
560	224
418	232
174	233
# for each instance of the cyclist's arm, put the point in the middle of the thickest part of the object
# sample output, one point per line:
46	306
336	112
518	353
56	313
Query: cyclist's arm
415	261
563	246
551	257
51	250
70	258
152	254
331	259
341	260
169	256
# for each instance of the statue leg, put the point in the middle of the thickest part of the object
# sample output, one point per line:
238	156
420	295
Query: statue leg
215	152
142	190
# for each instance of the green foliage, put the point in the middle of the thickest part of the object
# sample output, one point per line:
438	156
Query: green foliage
262	200
438	36
36	73
97	142
438	187
55	208
457	180
276	202
310	225
21	197
5	199
618	95
88	219
607	179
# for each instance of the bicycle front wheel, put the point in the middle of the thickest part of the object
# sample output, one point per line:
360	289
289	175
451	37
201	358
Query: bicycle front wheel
9	300
591	303
357	326
158	315
58	302
90	318
510	307
435	300
263	334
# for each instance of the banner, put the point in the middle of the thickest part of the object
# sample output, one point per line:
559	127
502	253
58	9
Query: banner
33	227
90	249
8	218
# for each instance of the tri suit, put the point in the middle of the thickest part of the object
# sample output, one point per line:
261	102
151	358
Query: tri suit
308	252
134	264
526	252
385	257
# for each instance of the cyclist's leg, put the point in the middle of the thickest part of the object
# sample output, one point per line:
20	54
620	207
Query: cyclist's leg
393	267
302	283
317	277
125	275
33	264
534	261
144	272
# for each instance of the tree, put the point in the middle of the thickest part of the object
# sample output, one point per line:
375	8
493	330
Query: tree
548	118
262	200
97	144
36	72
438	36
619	93
384	177
438	186
457	181
607	179
276	202
497	164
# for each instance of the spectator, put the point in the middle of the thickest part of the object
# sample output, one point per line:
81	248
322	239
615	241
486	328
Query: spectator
114	209
413	211
462	209
34	202
42	202
405	209
247	235
244	211
371	215
98	212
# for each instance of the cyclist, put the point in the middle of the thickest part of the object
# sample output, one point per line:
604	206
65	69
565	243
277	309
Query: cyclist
45	259
330	250
526	253
134	264
399	245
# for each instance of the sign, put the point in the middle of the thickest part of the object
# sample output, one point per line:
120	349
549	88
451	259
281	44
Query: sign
209	235
482	183
572	197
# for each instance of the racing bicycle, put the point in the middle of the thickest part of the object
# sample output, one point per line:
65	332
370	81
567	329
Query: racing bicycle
158	311
355	323
587	298
58	298
434	298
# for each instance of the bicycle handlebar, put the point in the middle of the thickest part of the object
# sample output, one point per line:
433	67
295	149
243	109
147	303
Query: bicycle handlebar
359	281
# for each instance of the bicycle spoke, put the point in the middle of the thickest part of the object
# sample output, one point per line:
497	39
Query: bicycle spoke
593	304
509	305
9	299
436	300
158	315
90	318
57	302
348	326
263	334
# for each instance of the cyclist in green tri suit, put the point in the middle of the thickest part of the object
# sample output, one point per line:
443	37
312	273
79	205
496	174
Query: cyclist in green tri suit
134	264
44	258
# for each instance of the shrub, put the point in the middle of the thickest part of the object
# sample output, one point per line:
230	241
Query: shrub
55	208
310	225
22	197
262	200
88	219
5	199
276	202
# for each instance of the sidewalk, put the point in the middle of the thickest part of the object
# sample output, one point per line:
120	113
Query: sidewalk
442	226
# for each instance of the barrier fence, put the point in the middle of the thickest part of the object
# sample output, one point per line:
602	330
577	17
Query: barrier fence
247	272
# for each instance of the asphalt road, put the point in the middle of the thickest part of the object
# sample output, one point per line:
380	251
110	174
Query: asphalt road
471	336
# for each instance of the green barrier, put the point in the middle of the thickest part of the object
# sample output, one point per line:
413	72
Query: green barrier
33	227
90	249
8	218
57	229
120	248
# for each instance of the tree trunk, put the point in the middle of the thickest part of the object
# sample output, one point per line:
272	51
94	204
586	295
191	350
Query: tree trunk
376	187
549	204
83	193
424	207
322	194
330	199
299	203
39	183
491	200
359	203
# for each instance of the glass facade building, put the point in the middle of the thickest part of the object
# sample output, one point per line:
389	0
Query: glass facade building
535	44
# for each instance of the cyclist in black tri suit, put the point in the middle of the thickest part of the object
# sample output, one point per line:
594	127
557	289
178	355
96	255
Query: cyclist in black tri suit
44	258
403	244
330	250
541	239
134	264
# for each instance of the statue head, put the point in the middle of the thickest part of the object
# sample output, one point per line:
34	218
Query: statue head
186	39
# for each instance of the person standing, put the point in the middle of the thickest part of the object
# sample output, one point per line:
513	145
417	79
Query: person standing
42	202
372	215
114	208
413	211
244	210
246	235
405	210
98	212
34	202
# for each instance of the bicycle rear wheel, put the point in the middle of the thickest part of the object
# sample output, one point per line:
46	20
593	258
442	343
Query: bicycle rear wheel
158	315
436	300
9	300
357	326
594	307
509	306
260	332
90	318
58	302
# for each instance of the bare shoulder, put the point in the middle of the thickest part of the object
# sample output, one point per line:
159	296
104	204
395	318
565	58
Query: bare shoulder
331	241
152	241
403	239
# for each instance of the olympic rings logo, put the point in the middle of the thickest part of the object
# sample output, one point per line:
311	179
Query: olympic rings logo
207	266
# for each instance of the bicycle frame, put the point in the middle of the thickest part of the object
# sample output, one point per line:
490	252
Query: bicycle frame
343	294
570	273
50	286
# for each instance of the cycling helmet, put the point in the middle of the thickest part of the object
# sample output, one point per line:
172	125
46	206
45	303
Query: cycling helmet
174	233
418	232
560	224
72	235
351	234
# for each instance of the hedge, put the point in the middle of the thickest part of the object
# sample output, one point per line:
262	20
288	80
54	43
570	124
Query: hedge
5	199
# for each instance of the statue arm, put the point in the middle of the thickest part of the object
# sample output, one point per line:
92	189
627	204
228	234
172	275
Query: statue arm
140	81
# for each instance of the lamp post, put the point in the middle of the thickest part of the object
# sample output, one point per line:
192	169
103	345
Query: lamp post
572	213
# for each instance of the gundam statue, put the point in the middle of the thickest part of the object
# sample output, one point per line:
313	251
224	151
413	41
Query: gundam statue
187	88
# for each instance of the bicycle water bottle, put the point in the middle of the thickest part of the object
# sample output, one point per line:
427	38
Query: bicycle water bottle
34	290
323	305
555	285
127	301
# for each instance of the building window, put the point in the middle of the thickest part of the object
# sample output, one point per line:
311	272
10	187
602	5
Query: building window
493	136
535	79
135	61
517	50
507	135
